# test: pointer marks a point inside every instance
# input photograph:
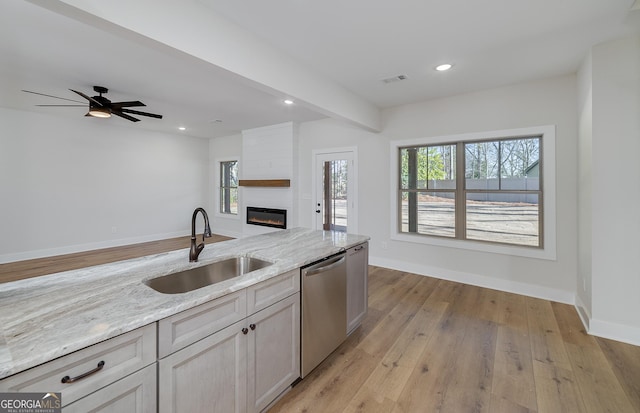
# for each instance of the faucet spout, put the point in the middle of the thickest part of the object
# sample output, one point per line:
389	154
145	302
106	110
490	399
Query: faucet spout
195	250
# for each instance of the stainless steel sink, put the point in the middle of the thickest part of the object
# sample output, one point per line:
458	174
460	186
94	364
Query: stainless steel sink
189	280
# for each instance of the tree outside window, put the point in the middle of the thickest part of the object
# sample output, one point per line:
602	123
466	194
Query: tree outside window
229	187
475	190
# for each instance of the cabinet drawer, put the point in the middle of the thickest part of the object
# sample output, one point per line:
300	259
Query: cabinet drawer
180	330
122	355
271	291
135	393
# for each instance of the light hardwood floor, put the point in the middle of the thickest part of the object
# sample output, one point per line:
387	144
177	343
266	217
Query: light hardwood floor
20	270
430	345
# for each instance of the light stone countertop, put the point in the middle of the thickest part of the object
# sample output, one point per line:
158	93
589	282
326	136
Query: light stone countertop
50	316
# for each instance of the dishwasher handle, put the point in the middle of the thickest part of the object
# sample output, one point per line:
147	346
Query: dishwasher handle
335	262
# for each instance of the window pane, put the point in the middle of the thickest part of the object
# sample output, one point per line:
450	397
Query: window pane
229	187
429	213
229	173
428	167
520	168
510	218
441	170
404	168
229	200
481	165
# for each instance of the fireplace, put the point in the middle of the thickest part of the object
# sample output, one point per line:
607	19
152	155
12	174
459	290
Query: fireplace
267	217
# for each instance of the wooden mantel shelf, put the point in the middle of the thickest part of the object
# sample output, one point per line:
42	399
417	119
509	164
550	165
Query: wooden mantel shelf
265	182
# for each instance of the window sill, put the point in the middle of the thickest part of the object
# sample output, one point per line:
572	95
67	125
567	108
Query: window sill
234	217
528	252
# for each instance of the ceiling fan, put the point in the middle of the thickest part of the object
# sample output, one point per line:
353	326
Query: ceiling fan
101	107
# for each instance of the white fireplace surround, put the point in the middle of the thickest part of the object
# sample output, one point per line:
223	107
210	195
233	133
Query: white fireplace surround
269	153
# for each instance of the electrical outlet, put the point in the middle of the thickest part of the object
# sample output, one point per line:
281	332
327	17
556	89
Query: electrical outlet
114	229
384	245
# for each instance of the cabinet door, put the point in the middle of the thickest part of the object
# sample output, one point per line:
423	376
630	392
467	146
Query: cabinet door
357	289
109	361
135	393
274	351
207	376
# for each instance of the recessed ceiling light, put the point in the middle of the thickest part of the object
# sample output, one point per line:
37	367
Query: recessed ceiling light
443	67
182	128
288	102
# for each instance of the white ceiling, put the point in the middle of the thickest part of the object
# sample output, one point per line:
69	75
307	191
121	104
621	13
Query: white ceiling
354	43
357	43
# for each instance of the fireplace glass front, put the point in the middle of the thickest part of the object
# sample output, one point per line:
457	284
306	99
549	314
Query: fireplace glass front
267	217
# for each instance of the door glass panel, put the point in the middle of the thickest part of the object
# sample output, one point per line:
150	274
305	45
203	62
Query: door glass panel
334	205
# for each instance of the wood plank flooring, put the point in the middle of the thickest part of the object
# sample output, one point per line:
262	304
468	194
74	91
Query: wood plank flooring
20	270
430	345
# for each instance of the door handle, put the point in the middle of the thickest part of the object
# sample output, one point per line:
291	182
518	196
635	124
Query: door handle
317	211
331	265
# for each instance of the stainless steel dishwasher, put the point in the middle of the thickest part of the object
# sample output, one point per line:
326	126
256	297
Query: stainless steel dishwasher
324	309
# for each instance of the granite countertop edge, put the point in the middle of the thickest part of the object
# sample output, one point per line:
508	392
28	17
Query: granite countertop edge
47	317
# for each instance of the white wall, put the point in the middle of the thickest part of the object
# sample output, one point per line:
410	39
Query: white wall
228	148
546	102
616	191
585	119
270	152
77	183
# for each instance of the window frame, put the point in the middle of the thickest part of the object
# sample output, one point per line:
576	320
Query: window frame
547	214
221	187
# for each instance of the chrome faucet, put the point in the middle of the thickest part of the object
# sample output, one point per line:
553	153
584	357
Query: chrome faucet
195	250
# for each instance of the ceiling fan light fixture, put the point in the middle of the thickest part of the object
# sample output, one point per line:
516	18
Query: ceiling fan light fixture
99	112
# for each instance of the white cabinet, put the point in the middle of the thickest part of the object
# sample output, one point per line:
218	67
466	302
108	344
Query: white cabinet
86	371
187	327
207	376
273	361
135	393
242	367
357	287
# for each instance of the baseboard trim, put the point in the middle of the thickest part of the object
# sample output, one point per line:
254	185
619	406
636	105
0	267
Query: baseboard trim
583	312
230	234
614	331
531	290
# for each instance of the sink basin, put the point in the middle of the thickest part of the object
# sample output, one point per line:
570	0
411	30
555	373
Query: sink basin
189	280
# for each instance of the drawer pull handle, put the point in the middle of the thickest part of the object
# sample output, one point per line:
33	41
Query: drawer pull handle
67	379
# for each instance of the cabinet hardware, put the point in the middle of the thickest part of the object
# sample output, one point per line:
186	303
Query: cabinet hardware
245	330
67	379
361	247
252	326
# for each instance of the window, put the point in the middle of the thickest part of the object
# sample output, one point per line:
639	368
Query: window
229	187
486	190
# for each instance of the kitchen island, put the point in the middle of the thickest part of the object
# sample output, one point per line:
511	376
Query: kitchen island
47	317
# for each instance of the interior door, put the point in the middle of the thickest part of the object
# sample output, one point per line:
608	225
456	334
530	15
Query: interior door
335	182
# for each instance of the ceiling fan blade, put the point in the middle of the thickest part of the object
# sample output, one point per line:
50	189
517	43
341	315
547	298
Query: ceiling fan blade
127	104
89	98
136	112
122	115
74	106
51	96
